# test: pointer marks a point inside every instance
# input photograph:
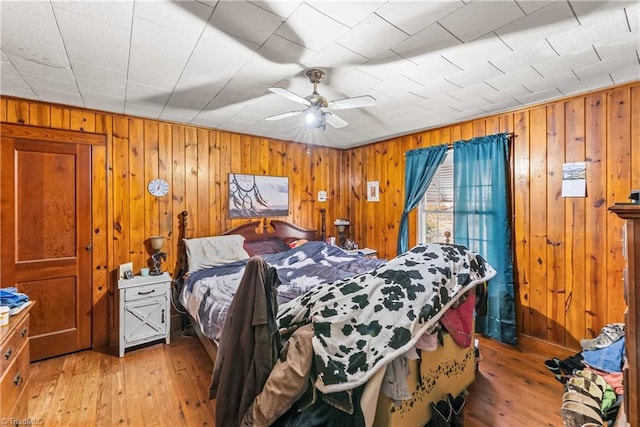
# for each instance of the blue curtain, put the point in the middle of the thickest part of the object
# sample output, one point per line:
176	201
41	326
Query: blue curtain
481	222
421	165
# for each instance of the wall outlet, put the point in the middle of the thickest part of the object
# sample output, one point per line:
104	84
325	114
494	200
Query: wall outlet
322	196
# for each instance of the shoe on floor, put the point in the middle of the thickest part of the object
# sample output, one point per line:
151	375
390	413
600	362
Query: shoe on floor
586	387
574	396
576	414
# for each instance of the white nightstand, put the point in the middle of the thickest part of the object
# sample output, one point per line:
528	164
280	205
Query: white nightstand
144	310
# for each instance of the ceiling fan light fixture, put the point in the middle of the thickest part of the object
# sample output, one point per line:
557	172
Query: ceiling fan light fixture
314	118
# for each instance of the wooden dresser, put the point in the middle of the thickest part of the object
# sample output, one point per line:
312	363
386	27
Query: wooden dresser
631	213
14	366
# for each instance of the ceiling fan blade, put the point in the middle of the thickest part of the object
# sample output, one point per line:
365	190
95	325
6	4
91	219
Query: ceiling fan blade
289	95
334	120
283	115
356	102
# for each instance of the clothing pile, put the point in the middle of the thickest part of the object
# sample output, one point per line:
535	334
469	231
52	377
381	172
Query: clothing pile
593	379
16	301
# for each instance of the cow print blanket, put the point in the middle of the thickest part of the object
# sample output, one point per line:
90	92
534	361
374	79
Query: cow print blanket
363	322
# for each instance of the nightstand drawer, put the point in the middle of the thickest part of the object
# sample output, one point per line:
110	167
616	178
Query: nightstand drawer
144	291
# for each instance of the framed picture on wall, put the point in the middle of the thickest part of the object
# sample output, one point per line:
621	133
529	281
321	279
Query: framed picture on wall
373	191
254	196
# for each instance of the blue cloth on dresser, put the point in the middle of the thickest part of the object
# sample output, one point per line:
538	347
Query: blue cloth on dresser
12	298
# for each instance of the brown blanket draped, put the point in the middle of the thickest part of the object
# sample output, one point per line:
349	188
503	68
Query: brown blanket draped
249	344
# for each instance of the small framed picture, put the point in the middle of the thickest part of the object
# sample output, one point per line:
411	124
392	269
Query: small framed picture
125	271
373	191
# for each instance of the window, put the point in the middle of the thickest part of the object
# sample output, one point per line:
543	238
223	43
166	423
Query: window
435	214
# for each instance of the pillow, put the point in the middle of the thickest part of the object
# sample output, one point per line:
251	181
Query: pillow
272	245
297	243
205	252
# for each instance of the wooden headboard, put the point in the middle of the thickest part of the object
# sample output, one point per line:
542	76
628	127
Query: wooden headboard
253	231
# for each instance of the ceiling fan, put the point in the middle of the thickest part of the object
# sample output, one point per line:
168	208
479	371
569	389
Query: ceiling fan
319	111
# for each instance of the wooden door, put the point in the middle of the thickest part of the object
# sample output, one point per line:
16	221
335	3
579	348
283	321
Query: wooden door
46	238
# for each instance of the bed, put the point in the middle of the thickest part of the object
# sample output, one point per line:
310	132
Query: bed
319	284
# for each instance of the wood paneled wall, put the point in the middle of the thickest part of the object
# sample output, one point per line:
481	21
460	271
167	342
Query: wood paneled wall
196	162
568	252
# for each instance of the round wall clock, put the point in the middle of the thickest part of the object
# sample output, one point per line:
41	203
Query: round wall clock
158	187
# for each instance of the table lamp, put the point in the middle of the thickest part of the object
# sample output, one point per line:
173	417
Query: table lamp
157	257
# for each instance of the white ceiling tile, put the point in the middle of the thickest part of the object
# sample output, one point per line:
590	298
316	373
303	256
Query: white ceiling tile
104	75
100	88
509	94
91	55
432	40
256	25
349	13
141	94
524	58
59	97
10	10
92	32
478	18
413	16
150	36
282	8
583	85
632	12
17	89
556	18
32	21
34	69
504	104
537	97
435	89
114	13
530	6
153	78
298	30
474	75
611	25
156	62
44	54
142	110
514	78
37	83
625	44
594	10
186	17
388	65
626	75
567	62
468	55
475	92
359	38
219	54
104	102
12	80
607	66
431	69
277	57
335	57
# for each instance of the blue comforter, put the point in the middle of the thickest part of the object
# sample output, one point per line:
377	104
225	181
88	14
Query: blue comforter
207	293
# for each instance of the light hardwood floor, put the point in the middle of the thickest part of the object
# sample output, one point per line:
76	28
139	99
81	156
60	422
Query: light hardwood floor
167	385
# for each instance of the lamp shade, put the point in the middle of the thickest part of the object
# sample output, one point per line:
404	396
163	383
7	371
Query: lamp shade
156	242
